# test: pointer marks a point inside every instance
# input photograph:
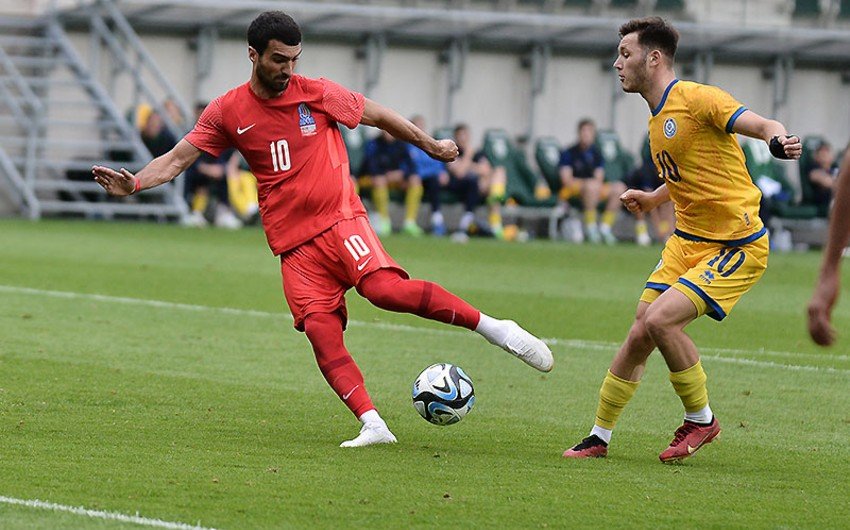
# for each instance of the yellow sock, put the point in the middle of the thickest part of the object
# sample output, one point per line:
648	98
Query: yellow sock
690	387
242	191
200	202
590	217
663	227
613	396
495	220
497	192
640	228
608	218
412	200
381	198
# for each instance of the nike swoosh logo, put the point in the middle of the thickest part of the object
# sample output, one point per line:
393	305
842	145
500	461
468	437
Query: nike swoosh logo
348	394
240	130
692	449
360	267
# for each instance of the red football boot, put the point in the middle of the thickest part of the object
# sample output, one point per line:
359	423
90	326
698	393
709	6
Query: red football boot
590	447
688	438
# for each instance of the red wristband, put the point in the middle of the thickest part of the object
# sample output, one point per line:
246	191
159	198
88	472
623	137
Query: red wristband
137	185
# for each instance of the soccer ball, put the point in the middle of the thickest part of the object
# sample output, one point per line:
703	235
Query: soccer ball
443	394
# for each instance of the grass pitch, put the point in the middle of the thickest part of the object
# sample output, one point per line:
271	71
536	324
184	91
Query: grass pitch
154	370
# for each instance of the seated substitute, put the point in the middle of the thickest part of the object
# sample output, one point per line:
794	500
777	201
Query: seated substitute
388	163
433	176
242	189
822	173
647	178
206	177
471	167
582	171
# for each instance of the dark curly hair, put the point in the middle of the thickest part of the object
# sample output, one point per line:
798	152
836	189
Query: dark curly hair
273	25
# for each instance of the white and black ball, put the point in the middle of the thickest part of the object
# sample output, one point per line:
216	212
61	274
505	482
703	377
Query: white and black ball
443	394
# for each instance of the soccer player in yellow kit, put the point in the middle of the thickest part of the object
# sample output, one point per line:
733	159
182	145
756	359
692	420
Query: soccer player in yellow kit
720	247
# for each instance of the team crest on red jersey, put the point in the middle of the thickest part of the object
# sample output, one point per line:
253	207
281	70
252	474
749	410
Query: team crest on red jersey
306	120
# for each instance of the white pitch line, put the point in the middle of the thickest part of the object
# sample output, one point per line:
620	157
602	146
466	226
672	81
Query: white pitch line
612	346
98	514
572	343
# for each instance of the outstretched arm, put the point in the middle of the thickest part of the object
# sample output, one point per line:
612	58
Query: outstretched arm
829	281
751	124
159	171
377	115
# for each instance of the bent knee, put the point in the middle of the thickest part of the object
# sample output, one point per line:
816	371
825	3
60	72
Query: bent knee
655	324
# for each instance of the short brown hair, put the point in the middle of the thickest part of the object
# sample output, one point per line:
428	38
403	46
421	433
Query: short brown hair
653	32
585	122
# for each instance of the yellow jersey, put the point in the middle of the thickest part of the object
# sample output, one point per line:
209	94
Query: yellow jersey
700	160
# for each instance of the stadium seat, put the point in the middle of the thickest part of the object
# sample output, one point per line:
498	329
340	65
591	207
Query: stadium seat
521	178
618	162
761	165
547	153
844	9
670	5
810	145
355	144
807	8
578	3
539	4
442	133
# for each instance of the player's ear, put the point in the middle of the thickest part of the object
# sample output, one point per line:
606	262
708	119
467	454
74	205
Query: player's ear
252	54
654	58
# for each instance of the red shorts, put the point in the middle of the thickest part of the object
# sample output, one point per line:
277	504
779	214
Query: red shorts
317	273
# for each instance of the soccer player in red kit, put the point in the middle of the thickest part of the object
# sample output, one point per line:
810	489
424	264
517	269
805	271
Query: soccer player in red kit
285	126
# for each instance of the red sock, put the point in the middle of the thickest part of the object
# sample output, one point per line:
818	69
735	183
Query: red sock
324	331
389	290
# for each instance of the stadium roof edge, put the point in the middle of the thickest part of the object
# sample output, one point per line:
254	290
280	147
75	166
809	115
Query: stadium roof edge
482	28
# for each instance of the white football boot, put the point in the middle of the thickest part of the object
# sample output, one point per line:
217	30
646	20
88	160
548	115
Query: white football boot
371	434
527	347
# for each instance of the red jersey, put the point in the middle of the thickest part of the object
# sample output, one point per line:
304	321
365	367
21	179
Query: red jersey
294	149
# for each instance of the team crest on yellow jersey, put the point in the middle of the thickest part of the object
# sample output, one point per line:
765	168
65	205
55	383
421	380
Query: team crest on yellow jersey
669	128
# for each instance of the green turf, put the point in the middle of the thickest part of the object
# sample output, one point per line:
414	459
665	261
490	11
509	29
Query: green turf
194	414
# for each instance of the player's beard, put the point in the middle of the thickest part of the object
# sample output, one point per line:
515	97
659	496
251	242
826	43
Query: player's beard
636	81
275	84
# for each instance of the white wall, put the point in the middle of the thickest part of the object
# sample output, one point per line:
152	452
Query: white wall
819	104
411	82
496	88
495	94
575	88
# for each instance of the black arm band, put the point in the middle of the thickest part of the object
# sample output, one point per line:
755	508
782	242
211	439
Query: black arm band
777	149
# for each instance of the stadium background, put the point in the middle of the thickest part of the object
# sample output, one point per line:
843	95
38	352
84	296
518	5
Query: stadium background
530	67
152	370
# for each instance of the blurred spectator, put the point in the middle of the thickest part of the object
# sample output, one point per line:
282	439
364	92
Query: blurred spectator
387	163
582	170
472	167
822	173
174	114
436	178
156	137
208	177
242	189
647	178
